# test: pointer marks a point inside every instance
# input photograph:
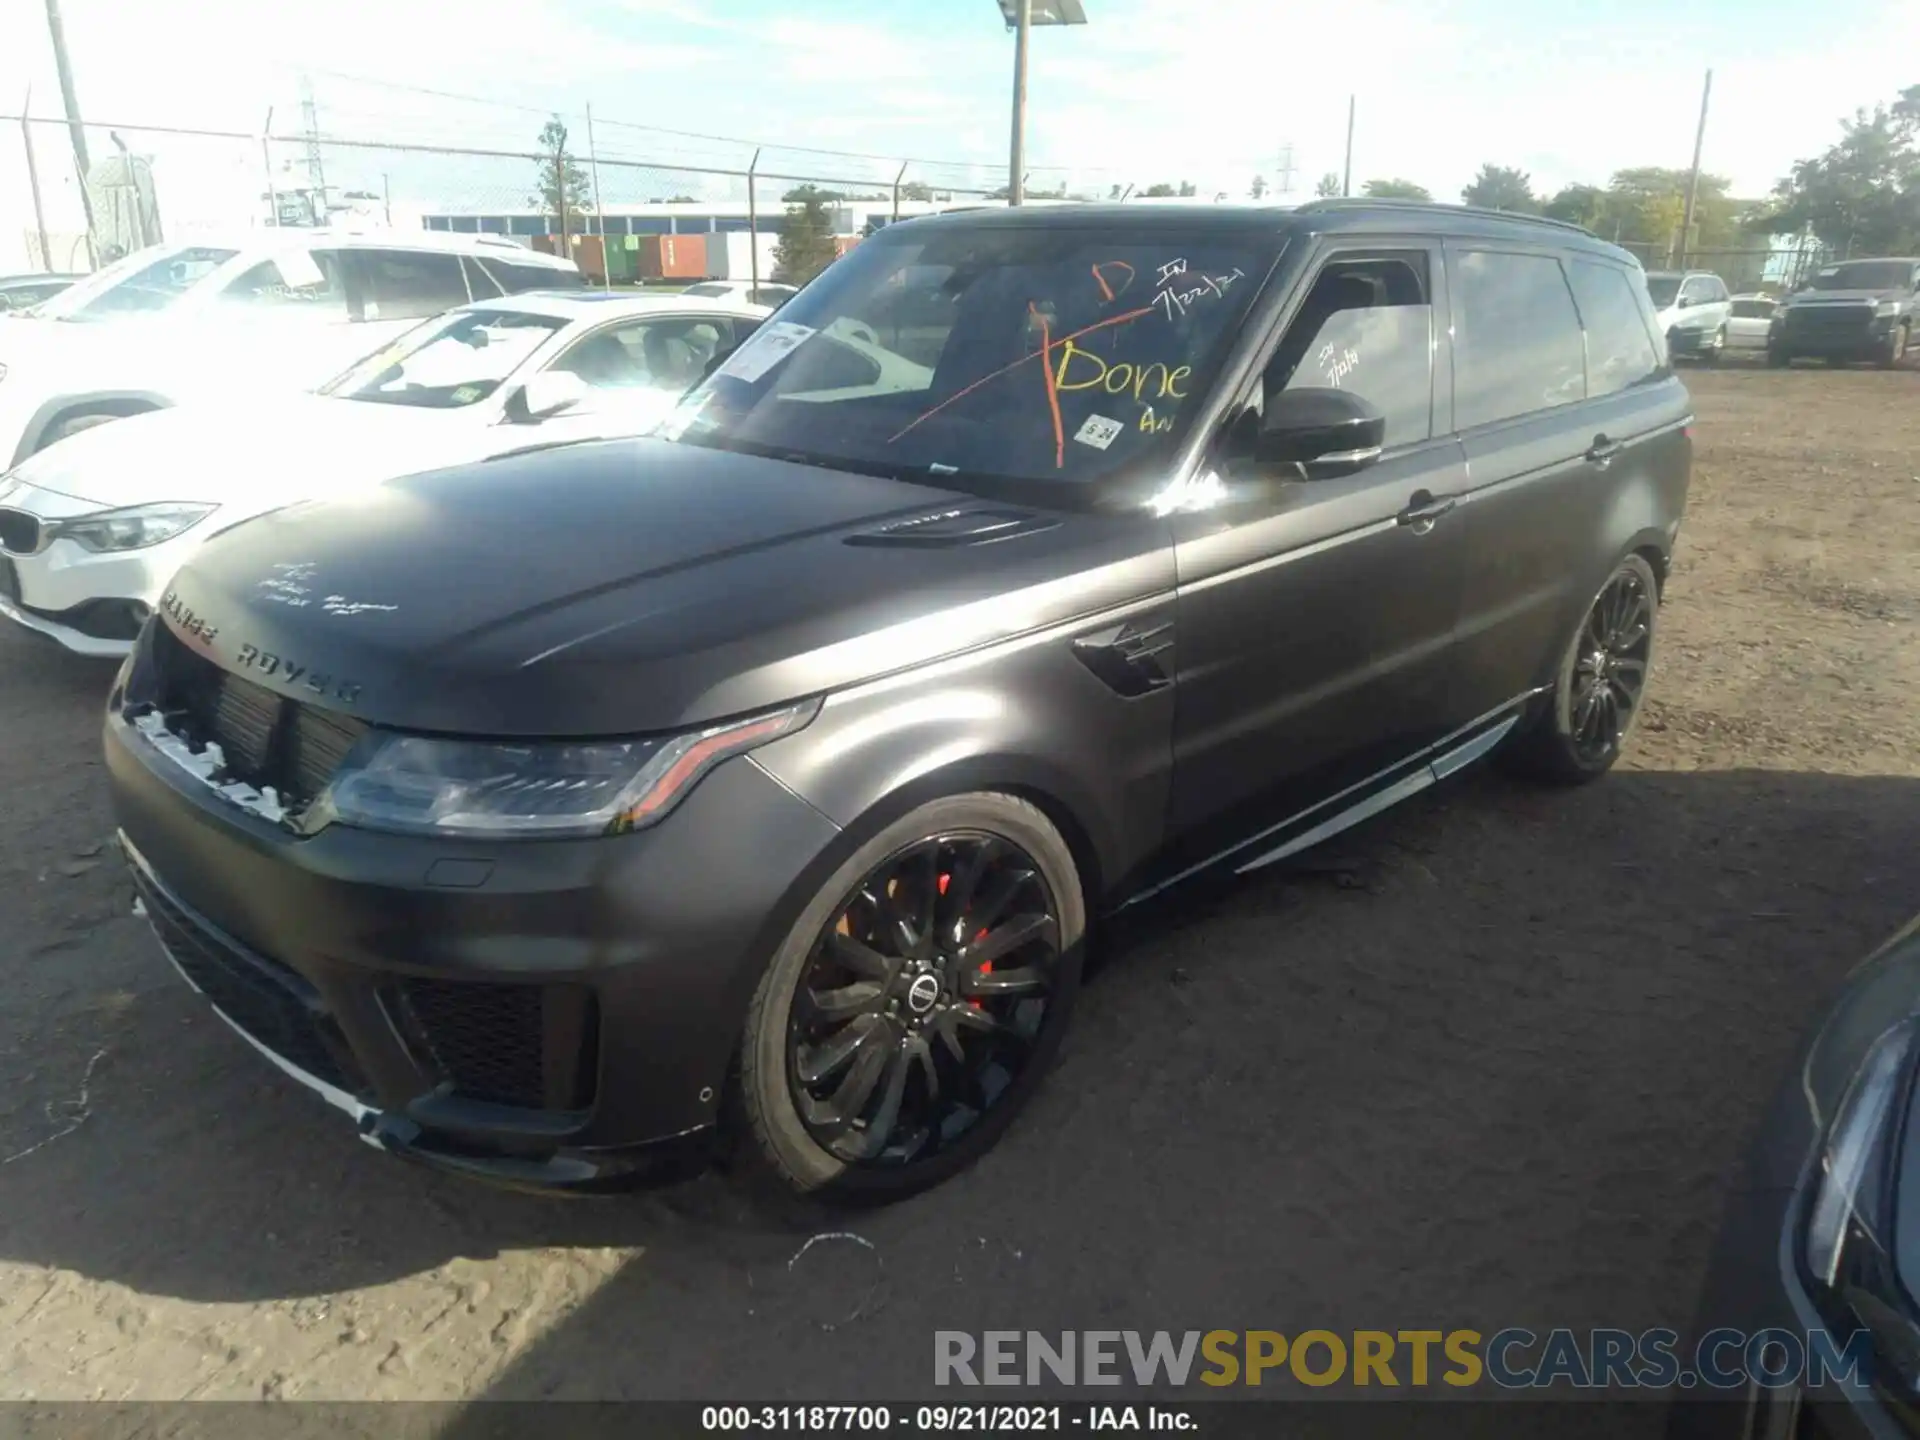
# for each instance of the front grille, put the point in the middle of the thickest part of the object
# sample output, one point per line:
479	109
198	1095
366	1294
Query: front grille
505	1044
9	581
267	740
1814	321
269	1002
19	531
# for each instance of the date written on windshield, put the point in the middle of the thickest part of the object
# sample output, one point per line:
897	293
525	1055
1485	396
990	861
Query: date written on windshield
1179	289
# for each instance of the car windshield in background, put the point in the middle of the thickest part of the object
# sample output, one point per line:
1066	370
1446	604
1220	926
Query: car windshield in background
450	362
141	283
1864	275
1664	289
1055	354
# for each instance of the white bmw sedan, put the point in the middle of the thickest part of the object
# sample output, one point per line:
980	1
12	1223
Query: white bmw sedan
93	528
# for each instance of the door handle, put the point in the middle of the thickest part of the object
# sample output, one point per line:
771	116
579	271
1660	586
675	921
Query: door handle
1602	451
1423	509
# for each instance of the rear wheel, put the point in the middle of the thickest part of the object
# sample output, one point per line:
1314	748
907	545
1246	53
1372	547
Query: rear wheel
1602	678
916	1004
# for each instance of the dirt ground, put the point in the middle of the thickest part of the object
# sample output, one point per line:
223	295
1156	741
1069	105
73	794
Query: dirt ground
1487	1065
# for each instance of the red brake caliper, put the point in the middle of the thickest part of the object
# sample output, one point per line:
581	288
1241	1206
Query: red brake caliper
987	968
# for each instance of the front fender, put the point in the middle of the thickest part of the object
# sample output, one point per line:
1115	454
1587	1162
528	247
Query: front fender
1028	717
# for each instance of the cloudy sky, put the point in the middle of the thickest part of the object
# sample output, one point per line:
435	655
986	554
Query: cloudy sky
1213	91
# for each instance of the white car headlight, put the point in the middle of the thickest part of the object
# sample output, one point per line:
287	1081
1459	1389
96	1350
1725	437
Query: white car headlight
133	528
418	785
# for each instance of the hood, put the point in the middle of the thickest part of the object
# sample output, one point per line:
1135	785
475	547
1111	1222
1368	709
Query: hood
1844	297
623	587
254	457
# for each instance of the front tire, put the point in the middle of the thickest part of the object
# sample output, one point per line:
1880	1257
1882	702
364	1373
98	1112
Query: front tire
1895	350
1717	349
916	1004
1599	687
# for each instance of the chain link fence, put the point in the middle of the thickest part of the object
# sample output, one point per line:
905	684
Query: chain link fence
154	182
1765	264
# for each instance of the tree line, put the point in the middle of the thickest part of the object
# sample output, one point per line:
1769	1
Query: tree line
1861	196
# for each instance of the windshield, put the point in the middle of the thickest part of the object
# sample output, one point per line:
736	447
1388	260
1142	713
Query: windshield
450	362
1865	275
1664	289
140	283
1058	354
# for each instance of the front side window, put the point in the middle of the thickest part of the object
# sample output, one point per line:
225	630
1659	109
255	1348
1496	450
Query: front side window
1517	345
143	282
664	353
410	284
447	363
311	280
988	354
1366	326
1620	351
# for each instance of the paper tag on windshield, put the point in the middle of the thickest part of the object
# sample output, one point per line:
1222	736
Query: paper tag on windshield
1098	431
768	345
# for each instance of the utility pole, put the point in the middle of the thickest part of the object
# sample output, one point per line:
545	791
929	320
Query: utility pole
33	182
1346	176
1286	169
1693	177
1017	163
316	171
75	128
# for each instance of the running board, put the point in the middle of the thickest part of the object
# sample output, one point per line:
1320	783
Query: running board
1442	765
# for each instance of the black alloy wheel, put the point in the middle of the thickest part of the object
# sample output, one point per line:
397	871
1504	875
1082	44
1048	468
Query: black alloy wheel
1601	684
915	1005
923	999
1610	666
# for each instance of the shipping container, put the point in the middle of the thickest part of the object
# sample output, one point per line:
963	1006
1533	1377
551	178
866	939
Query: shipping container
669	257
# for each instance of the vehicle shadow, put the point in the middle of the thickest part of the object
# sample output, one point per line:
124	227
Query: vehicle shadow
1483	1062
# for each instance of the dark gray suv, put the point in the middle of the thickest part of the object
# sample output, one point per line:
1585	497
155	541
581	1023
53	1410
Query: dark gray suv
1857	310
767	777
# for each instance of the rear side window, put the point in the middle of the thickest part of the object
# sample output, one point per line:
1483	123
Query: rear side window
1517	346
410	284
1620	352
1753	309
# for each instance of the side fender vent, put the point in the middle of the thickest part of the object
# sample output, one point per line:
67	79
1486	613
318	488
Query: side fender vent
1133	658
945	529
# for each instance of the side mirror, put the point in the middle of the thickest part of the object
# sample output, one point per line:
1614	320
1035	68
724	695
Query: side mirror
1328	433
548	394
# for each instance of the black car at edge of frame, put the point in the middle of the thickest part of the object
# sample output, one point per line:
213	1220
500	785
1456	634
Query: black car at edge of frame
762	779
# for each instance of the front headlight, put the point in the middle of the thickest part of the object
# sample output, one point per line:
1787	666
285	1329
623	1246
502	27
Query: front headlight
422	786
1847	1190
134	528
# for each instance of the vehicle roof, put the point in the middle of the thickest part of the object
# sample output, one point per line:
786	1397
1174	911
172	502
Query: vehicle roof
274	237
41	277
603	304
1354	216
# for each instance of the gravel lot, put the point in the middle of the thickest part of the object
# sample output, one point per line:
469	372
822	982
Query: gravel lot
1485	1065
